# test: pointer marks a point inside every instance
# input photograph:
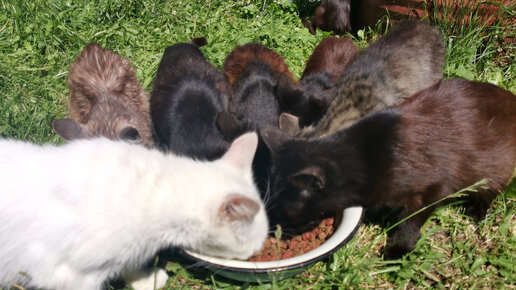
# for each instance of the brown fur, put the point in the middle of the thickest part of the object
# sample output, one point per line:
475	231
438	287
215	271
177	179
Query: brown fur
241	57
331	55
106	97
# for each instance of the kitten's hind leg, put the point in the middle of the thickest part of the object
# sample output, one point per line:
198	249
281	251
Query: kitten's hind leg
403	238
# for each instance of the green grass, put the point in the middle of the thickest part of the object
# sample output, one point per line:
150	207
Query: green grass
40	39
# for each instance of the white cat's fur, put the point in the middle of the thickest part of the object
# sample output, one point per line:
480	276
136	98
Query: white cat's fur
75	215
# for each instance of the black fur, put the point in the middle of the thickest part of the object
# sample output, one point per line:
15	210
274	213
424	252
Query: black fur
444	138
187	95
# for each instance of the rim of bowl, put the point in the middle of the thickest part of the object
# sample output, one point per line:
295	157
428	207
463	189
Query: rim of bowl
350	222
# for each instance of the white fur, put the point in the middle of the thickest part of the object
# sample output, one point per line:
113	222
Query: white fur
73	216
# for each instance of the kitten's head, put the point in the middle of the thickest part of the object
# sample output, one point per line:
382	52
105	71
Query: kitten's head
236	225
310	179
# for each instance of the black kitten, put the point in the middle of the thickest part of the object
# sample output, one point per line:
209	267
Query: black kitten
253	71
437	142
187	95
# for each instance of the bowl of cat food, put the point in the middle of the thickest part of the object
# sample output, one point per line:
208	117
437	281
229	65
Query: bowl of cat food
283	257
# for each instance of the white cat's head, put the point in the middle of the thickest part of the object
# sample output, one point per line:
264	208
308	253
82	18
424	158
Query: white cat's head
237	225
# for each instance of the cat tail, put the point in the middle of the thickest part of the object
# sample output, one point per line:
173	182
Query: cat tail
199	41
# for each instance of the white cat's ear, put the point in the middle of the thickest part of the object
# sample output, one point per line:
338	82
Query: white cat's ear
237	207
242	150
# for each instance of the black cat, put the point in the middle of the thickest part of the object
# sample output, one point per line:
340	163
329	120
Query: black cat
187	95
440	140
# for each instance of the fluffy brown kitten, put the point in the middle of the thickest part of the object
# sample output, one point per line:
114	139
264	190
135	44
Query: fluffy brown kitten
407	59
106	99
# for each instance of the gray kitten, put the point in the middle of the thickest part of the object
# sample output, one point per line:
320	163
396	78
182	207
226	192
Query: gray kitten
409	58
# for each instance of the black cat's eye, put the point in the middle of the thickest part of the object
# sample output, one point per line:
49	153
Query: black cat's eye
129	134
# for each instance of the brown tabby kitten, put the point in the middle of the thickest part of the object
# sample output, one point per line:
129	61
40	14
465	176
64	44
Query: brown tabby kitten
407	59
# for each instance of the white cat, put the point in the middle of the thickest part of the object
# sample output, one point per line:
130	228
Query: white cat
73	216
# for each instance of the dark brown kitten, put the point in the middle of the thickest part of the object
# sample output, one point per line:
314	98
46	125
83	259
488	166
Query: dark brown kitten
407	59
310	97
440	140
331	15
105	99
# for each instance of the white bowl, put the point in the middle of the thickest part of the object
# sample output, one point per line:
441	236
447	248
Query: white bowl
247	271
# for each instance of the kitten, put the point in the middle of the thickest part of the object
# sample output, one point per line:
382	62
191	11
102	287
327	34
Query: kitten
105	99
440	140
253	71
187	95
310	98
407	59
74	216
331	15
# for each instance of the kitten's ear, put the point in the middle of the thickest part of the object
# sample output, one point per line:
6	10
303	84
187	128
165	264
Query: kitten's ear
311	178
326	97
274	138
237	207
289	123
68	129
284	90
242	150
130	134
229	125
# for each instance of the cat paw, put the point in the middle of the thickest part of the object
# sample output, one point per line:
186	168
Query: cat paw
394	252
154	280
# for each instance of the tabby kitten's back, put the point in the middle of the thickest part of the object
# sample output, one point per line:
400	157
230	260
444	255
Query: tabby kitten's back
409	58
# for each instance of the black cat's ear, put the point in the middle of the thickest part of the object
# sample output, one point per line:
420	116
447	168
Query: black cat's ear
199	41
289	123
68	129
237	207
274	138
327	97
129	134
229	125
284	90
310	178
